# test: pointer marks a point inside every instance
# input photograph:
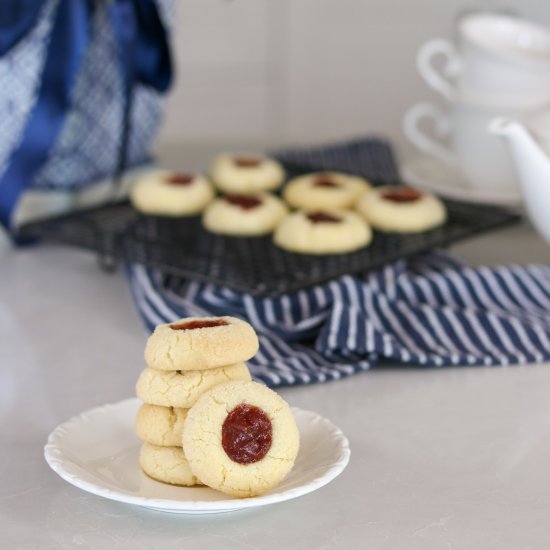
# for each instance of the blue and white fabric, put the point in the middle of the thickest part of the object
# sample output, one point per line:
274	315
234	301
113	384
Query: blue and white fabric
69	70
75	163
430	310
369	157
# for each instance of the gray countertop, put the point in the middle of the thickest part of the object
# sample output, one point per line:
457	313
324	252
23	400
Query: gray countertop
443	459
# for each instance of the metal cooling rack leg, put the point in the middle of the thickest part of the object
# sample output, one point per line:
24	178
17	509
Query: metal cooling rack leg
107	263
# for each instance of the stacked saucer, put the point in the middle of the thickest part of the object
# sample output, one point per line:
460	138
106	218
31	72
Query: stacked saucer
500	66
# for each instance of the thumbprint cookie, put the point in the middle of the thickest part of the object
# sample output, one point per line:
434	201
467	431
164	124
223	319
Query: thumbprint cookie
323	190
323	232
246	173
400	209
198	343
240	438
164	193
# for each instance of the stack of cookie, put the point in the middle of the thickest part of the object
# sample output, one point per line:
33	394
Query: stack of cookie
247	206
184	360
323	222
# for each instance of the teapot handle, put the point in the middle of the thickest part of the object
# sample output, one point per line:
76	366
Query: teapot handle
440	83
421	140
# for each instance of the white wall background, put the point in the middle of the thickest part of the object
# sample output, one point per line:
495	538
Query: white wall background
268	72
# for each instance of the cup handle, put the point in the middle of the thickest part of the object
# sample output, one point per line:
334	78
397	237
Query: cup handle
440	83
423	141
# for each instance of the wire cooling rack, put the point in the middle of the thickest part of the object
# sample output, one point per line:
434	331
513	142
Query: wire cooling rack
254	265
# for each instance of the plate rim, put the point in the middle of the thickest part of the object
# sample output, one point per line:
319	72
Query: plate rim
56	458
411	173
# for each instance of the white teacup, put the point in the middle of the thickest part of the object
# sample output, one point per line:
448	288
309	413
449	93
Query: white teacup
463	142
498	59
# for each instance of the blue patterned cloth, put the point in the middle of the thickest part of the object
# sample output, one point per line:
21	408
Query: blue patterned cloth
369	157
88	147
430	311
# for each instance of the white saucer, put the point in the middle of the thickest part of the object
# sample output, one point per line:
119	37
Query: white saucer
97	451
431	174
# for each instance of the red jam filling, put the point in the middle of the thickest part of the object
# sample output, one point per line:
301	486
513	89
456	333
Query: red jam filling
322	217
246	434
402	194
246	202
179	179
324	180
247	162
203	323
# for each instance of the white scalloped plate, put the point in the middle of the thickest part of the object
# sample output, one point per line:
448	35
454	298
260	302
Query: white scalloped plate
97	451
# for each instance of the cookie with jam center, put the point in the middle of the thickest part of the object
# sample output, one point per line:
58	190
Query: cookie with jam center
402	209
322	232
240	438
322	190
166	464
244	215
198	343
183	388
246	173
165	193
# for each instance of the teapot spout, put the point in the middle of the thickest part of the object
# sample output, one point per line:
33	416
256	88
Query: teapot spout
532	167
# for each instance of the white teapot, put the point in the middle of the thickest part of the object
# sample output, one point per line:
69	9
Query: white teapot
530	150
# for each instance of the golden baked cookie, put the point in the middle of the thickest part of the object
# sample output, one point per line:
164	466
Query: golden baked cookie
401	209
240	438
166	464
246	173
323	232
164	193
244	215
160	425
197	343
322	190
182	388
